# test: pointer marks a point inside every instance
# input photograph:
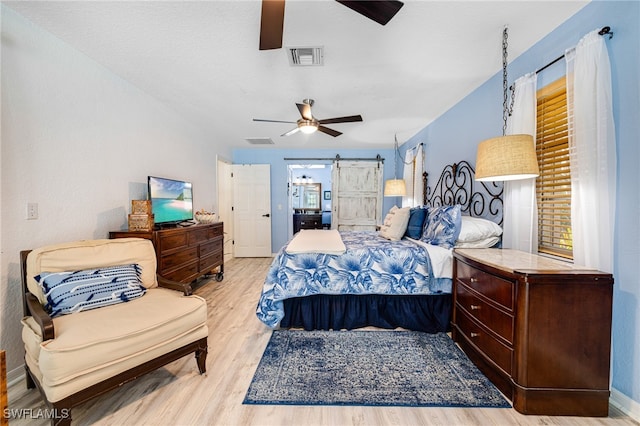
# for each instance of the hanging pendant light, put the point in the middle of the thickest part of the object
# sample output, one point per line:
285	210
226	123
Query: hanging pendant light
507	157
395	187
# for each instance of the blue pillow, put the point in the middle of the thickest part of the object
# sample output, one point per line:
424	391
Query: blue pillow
417	216
75	291
443	225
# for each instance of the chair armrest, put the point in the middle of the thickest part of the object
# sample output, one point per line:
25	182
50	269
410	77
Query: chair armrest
175	285
40	316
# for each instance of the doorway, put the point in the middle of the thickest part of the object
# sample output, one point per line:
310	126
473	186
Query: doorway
309	197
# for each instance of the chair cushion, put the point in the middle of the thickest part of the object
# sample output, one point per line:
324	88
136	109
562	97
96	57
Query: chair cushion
88	254
92	340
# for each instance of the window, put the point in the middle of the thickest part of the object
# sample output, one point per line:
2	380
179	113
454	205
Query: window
553	186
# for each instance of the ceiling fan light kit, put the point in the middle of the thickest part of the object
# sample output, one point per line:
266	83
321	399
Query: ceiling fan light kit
307	126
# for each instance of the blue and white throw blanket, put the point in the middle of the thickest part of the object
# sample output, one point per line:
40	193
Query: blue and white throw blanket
370	265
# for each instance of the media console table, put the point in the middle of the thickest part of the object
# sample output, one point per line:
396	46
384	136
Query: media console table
538	328
187	253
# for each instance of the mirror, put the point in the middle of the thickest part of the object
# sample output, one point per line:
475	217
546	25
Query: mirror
306	196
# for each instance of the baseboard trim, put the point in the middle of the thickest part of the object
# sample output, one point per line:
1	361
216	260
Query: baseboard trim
14	376
625	404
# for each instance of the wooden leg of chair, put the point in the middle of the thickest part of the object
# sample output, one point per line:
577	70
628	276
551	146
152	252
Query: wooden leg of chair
27	374
61	415
201	359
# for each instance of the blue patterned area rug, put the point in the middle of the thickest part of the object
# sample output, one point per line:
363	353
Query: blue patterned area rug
373	368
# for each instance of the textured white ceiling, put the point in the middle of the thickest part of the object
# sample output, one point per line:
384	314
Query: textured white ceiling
201	58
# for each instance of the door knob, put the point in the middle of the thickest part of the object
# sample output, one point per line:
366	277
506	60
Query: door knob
266	215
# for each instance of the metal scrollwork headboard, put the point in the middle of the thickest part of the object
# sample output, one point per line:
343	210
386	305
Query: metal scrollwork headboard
456	185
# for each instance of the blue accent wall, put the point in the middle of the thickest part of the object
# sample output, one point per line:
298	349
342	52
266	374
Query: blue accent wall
455	135
279	178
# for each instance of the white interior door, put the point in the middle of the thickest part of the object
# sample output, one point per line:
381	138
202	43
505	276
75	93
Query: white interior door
252	210
357	195
225	204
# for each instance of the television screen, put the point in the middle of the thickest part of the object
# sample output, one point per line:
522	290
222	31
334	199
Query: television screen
171	200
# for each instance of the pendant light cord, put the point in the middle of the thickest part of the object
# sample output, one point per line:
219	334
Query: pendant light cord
505	88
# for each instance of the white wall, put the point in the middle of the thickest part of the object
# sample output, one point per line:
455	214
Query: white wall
79	141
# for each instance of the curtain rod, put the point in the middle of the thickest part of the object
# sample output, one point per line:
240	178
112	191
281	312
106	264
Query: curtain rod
604	31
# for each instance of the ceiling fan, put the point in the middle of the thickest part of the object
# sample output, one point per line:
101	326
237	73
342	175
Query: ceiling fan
272	20
309	124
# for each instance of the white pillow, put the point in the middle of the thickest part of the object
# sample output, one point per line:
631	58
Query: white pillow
486	243
395	223
477	229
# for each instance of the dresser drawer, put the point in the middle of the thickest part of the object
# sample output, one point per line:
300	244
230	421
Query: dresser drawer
494	319
207	248
492	348
185	274
495	288
215	231
198	235
178	258
172	241
210	262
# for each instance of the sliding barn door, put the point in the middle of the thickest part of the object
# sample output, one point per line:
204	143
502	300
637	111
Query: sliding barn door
357	195
252	210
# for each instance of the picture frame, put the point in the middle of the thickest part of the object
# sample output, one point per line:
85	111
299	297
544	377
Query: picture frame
327	195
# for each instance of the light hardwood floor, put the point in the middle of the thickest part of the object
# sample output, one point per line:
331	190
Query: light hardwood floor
178	395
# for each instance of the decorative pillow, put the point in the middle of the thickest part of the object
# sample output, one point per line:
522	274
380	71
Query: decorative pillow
442	226
395	223
417	216
75	291
477	229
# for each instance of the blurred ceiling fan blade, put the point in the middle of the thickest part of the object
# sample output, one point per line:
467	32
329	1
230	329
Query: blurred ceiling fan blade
273	121
329	131
347	119
271	24
290	132
380	11
305	111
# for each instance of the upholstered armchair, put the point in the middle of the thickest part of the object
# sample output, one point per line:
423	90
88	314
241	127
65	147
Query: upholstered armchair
98	316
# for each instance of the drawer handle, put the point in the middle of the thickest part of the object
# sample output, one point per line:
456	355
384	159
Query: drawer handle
474	334
474	280
475	307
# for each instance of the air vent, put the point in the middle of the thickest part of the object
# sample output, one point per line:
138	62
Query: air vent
259	141
306	56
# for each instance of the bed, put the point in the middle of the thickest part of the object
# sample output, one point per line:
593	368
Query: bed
375	281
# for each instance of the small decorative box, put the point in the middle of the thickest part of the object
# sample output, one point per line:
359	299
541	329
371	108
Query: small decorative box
140	206
140	222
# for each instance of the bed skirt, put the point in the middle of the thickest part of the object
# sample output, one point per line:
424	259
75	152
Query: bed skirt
427	313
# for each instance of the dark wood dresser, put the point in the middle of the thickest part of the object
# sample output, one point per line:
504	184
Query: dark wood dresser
185	254
538	328
306	221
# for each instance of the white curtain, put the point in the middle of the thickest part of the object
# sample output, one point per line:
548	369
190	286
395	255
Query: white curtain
592	148
412	175
520	207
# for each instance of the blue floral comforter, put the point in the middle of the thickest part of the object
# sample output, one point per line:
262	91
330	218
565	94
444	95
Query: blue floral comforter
370	265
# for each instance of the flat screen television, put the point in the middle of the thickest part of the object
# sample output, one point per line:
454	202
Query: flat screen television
171	200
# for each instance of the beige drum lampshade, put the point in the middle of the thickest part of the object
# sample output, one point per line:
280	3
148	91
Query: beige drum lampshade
395	188
510	157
